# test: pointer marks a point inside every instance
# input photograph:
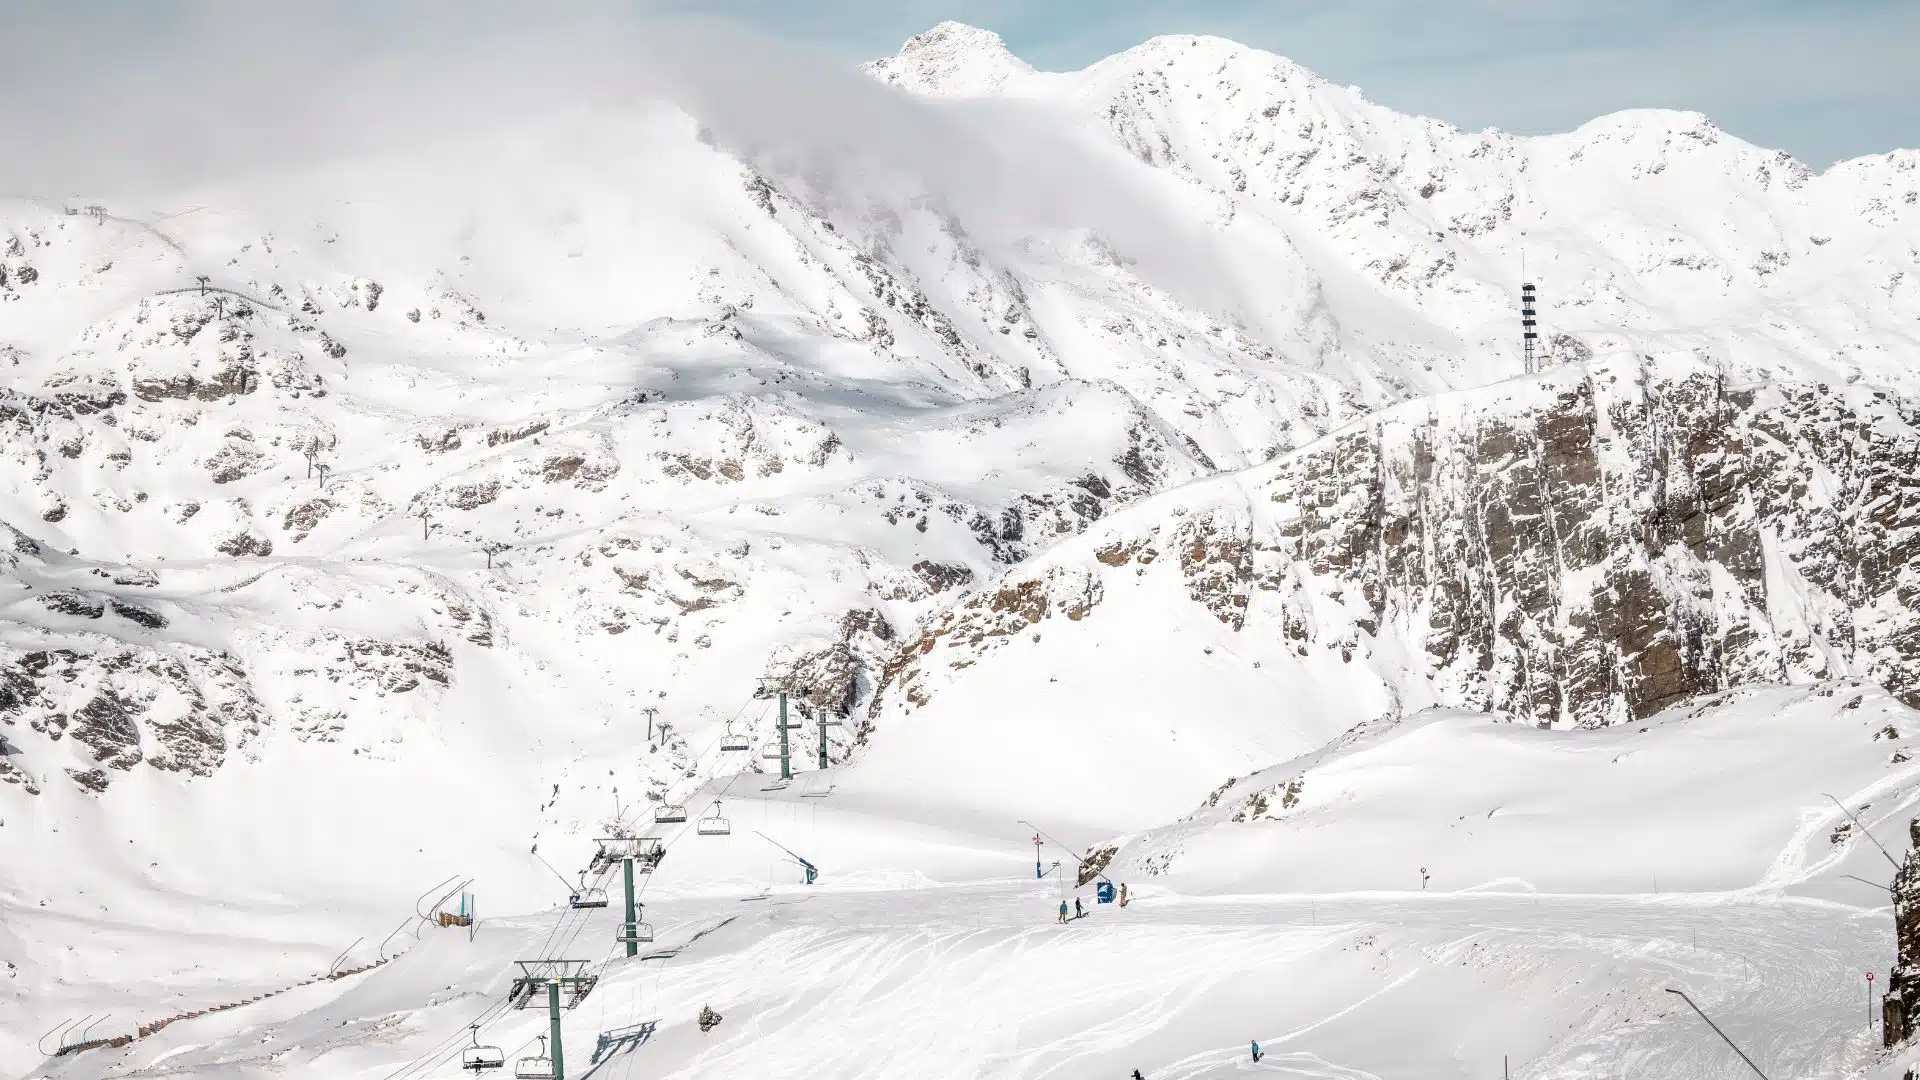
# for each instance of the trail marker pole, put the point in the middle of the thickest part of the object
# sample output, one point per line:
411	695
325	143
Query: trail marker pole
650	710
1869	1003
1037	872
553	1026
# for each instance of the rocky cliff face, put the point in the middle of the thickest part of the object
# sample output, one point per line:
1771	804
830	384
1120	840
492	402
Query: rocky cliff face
1587	548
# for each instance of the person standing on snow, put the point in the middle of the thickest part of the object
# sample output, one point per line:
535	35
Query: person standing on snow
1077	913
1063	911
1123	894
1256	1052
1137	1076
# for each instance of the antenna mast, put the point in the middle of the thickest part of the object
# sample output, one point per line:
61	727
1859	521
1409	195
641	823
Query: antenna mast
1529	329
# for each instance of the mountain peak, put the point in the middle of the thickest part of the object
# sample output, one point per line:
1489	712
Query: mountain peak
952	59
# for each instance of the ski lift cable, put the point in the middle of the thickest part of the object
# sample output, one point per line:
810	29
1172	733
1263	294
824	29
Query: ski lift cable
441	1053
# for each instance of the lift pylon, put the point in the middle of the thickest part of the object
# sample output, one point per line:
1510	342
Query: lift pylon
824	725
538	975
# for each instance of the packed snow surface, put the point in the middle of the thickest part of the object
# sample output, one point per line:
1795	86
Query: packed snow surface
383	529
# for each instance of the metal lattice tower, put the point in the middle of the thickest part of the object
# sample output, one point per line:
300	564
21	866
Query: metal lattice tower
1530	334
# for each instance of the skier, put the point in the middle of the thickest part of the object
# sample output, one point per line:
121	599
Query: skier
1123	894
1256	1052
1063	912
1077	913
1137	1076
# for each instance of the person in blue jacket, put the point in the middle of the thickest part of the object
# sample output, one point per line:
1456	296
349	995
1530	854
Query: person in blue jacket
1256	1053
1063	911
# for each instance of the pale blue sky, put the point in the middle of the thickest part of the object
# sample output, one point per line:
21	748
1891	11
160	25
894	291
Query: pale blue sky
92	90
1823	79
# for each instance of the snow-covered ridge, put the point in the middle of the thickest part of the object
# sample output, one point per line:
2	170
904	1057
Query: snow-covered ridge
445	474
1586	548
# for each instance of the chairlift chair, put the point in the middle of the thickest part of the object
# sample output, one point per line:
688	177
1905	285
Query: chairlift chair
634	933
730	742
772	752
713	824
477	1058
586	897
537	1067
670	814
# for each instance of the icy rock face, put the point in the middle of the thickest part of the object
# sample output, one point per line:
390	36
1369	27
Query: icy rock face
1588	548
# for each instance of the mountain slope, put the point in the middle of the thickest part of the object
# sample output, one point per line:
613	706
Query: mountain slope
1081	439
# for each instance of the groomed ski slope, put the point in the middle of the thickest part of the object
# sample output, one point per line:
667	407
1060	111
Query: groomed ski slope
927	948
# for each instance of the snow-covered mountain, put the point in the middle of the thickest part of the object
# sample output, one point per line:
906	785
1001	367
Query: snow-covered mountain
1081	440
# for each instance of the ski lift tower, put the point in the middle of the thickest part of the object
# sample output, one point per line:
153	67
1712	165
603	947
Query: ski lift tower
647	851
824	725
538	975
786	746
1529	329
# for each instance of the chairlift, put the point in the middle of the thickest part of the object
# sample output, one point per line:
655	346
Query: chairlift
670	814
634	933
772	752
537	1067
477	1058
730	742
586	897
713	824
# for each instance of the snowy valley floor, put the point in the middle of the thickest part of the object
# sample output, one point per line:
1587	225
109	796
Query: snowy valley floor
978	981
928	950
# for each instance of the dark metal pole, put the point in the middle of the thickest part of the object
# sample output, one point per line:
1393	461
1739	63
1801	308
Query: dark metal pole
1883	888
786	765
1864	832
553	1025
1722	1034
633	924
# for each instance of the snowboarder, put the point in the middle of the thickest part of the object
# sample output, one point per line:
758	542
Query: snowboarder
1256	1052
1137	1076
1077	913
1123	894
1063	912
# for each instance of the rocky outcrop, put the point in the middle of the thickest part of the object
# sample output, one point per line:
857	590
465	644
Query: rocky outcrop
1587	548
1900	1007
836	678
1639	534
180	709
988	620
